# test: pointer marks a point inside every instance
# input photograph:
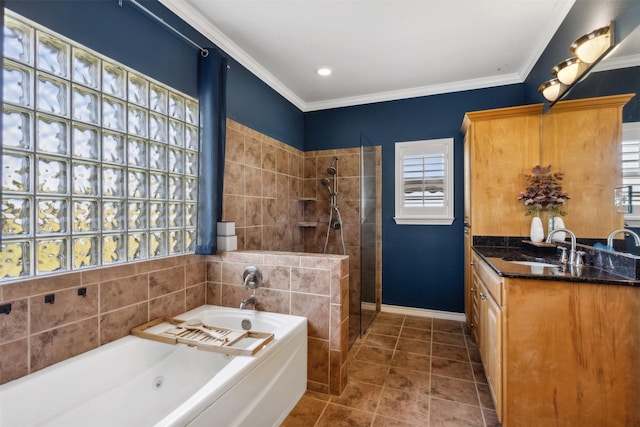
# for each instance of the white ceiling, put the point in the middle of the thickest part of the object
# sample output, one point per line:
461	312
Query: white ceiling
379	49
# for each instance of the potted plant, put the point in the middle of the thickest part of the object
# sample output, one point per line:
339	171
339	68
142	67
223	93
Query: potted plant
543	192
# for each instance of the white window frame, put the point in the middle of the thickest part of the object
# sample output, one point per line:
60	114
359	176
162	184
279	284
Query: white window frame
631	133
424	215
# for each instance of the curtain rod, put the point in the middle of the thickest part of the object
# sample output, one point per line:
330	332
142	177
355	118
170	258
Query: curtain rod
204	52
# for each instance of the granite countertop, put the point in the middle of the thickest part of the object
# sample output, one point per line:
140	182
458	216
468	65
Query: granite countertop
497	257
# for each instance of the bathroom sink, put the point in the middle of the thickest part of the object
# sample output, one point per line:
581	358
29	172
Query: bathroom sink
534	263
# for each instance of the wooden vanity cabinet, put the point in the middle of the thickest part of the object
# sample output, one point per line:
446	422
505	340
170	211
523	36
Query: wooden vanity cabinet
489	320
581	138
499	145
559	353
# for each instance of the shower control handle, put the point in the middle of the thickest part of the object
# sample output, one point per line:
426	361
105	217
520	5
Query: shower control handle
252	278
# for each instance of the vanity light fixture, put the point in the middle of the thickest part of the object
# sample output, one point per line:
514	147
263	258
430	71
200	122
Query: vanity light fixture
551	89
324	71
591	47
588	50
569	70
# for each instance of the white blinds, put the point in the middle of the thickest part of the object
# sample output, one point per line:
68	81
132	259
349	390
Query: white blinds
423	178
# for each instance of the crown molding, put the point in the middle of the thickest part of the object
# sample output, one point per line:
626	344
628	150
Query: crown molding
195	19
189	14
560	12
416	92
616	63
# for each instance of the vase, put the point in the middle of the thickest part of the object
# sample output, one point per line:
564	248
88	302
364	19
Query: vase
557	222
537	232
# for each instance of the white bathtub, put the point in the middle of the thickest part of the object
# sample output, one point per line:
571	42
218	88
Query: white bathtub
137	382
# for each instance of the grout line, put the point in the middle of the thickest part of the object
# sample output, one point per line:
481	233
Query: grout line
431	342
322	413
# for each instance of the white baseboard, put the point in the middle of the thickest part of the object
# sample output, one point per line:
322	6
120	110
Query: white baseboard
423	312
370	306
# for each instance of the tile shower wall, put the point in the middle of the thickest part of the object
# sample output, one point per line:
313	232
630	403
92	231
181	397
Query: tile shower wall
316	205
313	286
36	334
262	190
273	194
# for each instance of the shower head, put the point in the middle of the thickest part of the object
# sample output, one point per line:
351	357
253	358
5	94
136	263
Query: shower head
332	169
326	183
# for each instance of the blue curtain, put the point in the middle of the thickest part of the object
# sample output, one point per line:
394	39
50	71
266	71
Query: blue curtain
212	77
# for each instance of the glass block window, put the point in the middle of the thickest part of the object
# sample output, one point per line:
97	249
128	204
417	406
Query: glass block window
99	161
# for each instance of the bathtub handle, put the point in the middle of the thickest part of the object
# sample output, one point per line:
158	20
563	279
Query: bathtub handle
252	278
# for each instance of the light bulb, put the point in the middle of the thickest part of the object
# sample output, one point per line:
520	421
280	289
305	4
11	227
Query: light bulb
551	89
324	71
590	47
569	70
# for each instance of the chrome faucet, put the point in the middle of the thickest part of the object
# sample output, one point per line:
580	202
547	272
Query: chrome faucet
623	230
252	278
251	300
574	259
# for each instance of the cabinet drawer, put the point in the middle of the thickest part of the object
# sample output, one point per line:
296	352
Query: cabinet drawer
491	280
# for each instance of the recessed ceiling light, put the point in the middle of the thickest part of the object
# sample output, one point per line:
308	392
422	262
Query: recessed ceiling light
324	71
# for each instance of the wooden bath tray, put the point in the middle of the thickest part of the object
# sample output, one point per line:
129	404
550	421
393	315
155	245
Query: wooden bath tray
203	337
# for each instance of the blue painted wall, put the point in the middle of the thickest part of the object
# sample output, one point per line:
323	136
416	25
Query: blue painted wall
128	36
422	265
253	103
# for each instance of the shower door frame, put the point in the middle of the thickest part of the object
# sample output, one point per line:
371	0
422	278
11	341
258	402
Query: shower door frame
369	233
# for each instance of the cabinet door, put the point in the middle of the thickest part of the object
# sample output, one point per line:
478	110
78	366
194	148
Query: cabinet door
468	281
502	150
491	345
578	135
474	306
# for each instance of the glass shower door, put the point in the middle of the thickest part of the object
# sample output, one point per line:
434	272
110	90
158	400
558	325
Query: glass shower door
368	221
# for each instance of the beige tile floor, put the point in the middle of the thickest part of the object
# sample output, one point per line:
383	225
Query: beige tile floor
406	371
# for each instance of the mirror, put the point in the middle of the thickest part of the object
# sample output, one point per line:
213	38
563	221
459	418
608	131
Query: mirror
566	139
617	73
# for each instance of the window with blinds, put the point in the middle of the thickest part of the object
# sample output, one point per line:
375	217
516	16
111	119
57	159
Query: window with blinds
424	182
631	169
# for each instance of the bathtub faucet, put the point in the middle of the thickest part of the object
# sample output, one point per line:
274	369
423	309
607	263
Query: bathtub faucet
249	300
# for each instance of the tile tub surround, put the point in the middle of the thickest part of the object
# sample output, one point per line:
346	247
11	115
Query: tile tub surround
37	334
311	285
